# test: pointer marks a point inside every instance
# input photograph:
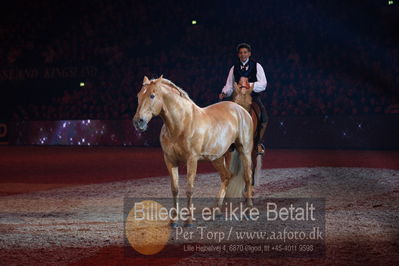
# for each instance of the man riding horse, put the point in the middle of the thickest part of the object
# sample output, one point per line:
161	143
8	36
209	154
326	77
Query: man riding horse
253	71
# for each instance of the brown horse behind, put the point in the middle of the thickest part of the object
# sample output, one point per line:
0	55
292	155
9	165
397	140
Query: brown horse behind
242	96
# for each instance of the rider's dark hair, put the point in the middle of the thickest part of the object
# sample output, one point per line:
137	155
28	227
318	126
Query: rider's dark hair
243	45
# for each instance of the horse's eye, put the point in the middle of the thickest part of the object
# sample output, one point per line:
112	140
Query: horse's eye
152	96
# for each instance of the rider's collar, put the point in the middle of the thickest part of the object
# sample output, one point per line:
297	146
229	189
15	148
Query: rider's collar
246	61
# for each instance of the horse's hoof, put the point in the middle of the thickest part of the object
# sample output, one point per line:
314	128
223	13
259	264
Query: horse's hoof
217	212
260	149
188	225
174	225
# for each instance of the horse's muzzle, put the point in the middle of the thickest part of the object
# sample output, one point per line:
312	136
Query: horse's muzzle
140	125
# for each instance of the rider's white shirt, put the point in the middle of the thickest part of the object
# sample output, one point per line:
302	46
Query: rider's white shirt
259	86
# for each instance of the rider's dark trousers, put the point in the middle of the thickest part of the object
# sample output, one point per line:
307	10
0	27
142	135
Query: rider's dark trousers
256	97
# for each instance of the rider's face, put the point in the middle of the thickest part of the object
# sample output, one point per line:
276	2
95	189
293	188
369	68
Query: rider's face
244	54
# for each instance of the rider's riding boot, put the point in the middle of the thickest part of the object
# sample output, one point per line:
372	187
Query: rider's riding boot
261	147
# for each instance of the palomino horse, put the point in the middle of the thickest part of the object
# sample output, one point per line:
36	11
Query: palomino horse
242	96
191	133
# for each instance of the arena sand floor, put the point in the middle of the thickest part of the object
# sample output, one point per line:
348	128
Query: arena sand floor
63	205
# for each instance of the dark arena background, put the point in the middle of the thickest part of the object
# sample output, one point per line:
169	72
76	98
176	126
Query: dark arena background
69	154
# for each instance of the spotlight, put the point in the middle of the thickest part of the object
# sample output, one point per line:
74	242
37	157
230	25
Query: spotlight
193	22
81	84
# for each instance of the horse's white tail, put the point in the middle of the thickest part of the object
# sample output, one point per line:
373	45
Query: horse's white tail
236	186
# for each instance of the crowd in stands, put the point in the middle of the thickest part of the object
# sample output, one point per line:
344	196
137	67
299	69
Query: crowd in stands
318	59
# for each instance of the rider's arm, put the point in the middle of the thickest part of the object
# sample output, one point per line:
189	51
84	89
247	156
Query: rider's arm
260	85
228	88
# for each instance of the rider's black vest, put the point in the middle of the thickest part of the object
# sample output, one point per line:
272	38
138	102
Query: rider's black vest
248	70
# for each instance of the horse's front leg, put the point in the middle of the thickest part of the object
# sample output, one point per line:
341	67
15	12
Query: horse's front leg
191	172
174	184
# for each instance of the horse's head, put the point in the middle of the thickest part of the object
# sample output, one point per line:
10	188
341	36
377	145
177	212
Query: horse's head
242	92
150	103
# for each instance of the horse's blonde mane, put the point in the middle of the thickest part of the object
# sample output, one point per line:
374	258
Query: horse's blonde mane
180	91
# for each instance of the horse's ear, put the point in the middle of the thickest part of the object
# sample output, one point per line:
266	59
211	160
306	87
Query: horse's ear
146	80
159	79
235	86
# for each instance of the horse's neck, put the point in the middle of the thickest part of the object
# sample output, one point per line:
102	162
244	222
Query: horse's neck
243	100
175	113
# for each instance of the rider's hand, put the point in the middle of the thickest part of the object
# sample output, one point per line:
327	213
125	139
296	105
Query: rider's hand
221	96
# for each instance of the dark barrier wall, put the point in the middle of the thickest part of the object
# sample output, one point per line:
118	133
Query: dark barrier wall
84	132
346	132
3	133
